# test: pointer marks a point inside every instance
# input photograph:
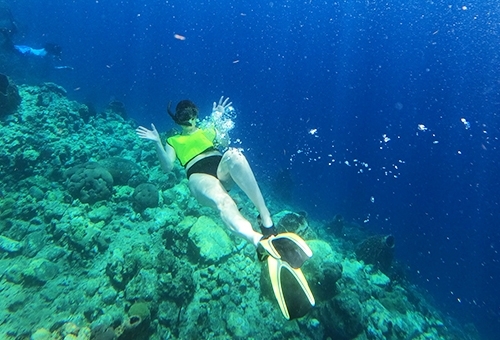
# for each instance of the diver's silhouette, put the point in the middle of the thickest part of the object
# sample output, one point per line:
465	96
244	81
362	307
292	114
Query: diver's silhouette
8	26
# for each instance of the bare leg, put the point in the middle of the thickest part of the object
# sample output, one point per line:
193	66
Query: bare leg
234	166
209	191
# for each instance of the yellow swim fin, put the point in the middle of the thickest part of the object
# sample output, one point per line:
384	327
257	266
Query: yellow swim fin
287	252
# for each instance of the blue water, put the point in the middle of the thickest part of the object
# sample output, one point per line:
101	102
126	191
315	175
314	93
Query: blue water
333	91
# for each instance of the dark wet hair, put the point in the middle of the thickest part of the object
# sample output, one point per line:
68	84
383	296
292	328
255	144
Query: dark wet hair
184	111
53	49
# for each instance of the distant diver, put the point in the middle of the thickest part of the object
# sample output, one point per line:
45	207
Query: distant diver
48	50
210	173
8	29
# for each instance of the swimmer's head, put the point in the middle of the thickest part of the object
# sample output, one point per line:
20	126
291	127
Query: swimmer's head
185	111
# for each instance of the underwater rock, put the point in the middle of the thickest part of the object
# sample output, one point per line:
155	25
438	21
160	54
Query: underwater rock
87	111
168	312
48	93
343	316
210	239
145	196
102	213
293	223
166	181
238	326
322	270
175	280
327	278
10	246
102	332
395	301
75	231
36	193
14	273
9	96
124	171
89	182
120	269
34	242
69	328
67	331
143	286
108	295
54	88
41	334
377	250
379	279
7	208
40	271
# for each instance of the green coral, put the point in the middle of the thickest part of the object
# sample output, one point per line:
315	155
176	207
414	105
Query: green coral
211	240
140	309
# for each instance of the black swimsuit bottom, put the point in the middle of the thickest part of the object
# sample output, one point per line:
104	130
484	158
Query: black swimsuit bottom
207	165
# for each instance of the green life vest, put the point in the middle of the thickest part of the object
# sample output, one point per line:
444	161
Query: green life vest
188	147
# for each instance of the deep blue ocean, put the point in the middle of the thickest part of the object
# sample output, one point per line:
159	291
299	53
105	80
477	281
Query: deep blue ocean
386	112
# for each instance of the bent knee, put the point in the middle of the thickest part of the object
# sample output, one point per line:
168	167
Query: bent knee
234	156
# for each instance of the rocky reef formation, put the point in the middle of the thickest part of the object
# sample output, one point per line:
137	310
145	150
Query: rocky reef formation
97	243
9	96
377	250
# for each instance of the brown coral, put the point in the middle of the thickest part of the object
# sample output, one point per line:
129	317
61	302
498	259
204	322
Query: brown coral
377	250
9	96
89	182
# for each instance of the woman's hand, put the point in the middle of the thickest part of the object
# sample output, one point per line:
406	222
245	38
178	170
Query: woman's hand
222	106
144	133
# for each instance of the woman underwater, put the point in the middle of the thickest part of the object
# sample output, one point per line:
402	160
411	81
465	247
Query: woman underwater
209	173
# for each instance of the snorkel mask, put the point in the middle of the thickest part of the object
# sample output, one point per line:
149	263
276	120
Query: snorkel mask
184	112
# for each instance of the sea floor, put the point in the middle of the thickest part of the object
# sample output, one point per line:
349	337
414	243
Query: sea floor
97	243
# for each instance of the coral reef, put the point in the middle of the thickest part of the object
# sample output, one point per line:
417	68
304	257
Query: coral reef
323	270
289	221
77	255
377	250
89	182
345	316
124	171
292	222
145	196
9	96
140	309
66	331
210	239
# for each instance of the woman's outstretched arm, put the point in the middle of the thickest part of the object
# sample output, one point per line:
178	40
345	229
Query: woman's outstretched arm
166	154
